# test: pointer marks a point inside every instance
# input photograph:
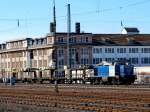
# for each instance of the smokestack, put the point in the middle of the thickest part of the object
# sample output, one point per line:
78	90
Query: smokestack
77	27
53	24
52	27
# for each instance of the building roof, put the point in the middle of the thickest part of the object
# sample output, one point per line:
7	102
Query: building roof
114	39
131	29
72	33
16	40
121	40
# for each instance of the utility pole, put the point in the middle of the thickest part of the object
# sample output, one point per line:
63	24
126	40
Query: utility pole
54	34
68	37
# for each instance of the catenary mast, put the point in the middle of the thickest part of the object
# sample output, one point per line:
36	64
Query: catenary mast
68	37
68	32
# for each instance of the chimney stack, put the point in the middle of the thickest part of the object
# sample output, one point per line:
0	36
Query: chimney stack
52	27
77	27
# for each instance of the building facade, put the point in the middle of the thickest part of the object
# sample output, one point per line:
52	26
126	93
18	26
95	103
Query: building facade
138	55
36	57
113	47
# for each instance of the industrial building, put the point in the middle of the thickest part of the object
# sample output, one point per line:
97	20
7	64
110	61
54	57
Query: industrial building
38	56
111	47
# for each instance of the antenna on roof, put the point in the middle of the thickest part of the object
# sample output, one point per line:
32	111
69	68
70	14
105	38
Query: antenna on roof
18	22
122	25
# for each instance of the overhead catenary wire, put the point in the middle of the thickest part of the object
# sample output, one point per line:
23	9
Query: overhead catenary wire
83	13
96	11
98	5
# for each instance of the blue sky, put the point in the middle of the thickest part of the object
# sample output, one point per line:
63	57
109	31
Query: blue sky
96	16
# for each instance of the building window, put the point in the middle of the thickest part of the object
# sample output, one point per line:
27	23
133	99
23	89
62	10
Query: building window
9	65
87	39
60	52
35	53
133	50
72	40
40	52
21	64
121	50
146	60
72	51
50	40
40	63
84	39
31	55
97	60
97	50
94	50
25	64
134	60
35	63
145	50
84	61
84	51
109	50
37	42
109	59
24	54
43	41
73	62
45	63
45	52
61	62
61	39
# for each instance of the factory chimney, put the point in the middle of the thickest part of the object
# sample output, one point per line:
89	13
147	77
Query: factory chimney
77	27
53	24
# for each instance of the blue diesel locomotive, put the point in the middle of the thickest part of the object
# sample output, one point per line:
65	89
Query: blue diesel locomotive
118	73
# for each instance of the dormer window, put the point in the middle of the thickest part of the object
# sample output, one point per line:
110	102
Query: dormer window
82	39
87	39
61	39
42	41
32	42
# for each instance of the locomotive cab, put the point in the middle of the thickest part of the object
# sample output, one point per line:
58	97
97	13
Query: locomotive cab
125	71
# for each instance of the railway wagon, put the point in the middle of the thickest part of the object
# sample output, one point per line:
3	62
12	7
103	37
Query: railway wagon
143	74
38	76
82	75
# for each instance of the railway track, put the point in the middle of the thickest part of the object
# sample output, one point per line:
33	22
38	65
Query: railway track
76	99
133	86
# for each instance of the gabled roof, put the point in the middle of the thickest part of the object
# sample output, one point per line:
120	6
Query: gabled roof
131	29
